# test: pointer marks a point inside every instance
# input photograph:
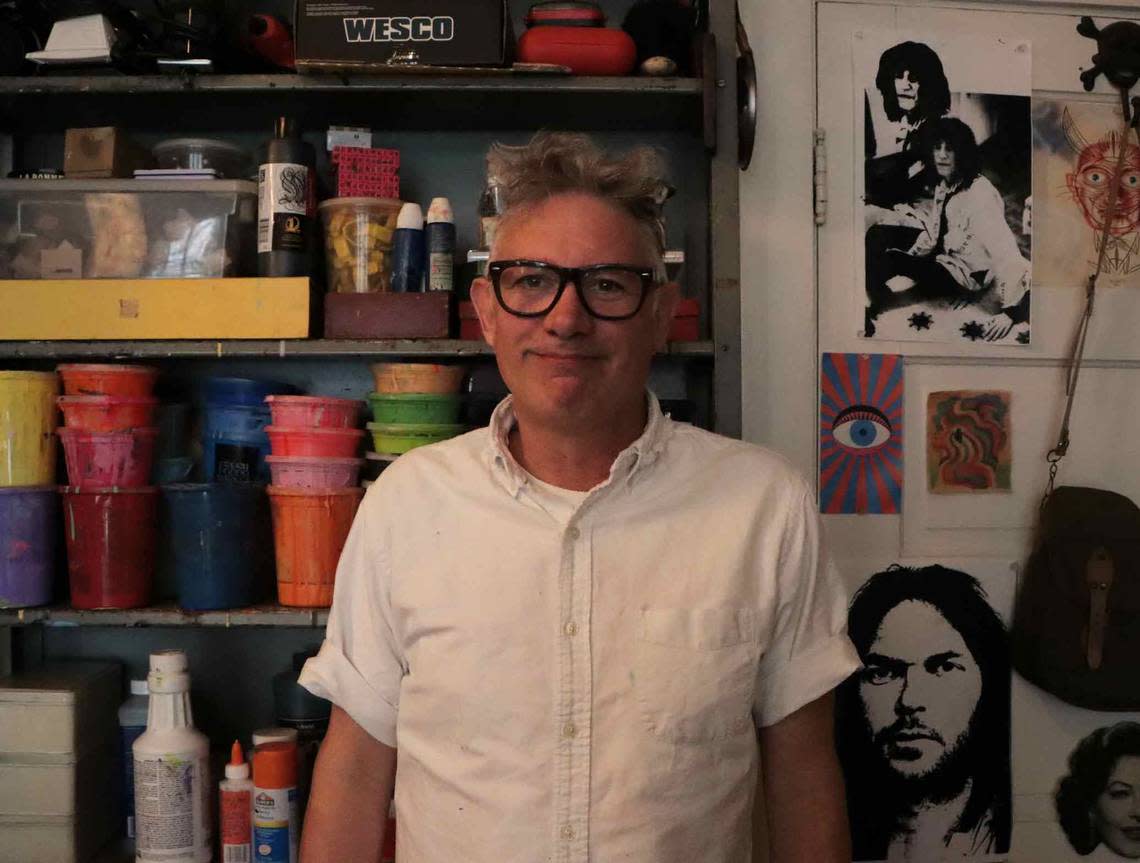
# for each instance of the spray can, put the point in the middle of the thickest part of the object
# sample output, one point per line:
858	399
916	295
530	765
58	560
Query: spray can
286	204
132	724
235	803
276	826
172	771
408	250
439	236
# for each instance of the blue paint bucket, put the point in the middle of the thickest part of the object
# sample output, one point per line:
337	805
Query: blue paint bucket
29	522
234	443
217	540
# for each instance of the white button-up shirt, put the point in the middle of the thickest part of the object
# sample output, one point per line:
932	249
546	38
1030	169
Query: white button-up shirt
580	678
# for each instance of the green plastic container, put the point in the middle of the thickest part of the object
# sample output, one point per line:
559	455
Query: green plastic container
396	438
414	407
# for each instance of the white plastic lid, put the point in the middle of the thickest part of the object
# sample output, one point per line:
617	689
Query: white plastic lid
168	672
274	735
440	210
237	771
139	687
411	216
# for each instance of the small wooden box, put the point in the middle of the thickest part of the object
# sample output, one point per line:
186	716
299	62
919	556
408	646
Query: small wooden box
388	316
101	152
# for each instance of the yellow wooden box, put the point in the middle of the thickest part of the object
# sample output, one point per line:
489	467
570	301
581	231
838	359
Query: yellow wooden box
154	309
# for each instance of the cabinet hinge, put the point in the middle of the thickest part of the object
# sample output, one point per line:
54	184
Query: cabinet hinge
819	176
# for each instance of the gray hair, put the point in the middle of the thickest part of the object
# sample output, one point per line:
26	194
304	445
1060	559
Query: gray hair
553	163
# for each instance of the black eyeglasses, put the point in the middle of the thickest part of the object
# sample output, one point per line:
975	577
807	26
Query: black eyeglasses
530	289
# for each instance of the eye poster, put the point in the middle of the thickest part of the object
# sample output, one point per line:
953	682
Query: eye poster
943	204
923	729
968	441
1076	146
860	433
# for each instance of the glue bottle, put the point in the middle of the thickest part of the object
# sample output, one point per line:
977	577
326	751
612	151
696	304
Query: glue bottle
439	236
276	826
408	250
235	799
172	771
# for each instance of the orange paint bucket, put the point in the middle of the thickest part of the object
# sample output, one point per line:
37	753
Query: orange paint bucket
309	530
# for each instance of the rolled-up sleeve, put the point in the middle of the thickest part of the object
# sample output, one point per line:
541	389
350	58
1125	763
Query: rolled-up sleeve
808	653
360	664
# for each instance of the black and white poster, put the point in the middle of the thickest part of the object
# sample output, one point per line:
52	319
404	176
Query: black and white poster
944	126
923	730
1098	798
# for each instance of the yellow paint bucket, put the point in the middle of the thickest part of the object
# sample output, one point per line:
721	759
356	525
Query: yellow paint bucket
27	428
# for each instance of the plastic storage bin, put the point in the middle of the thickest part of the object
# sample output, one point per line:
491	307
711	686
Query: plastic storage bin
99	459
358	241
309	530
127	229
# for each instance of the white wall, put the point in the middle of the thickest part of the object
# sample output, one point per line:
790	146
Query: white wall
782	340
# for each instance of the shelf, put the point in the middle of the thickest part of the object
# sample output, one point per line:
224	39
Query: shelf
168	615
278	348
486	99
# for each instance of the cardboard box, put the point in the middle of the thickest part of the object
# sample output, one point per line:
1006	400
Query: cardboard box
102	152
388	316
155	309
440	32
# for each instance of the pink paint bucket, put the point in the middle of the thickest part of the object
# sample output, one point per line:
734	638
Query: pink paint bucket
104	459
313	411
314	471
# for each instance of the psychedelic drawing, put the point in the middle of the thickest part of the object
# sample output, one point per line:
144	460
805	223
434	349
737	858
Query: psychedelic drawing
1076	147
968	441
860	433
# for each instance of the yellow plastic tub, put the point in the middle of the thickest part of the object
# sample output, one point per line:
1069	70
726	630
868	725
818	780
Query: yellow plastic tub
27	428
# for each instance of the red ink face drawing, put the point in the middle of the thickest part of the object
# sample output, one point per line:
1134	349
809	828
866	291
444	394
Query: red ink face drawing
1091	181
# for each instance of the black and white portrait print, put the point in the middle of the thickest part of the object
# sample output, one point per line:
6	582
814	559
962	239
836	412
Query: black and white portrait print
1098	800
923	730
946	188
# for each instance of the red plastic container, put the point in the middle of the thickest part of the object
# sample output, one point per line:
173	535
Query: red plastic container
99	459
586	50
111	535
334	443
309	531
313	412
685	326
469	327
313	471
106	379
107	413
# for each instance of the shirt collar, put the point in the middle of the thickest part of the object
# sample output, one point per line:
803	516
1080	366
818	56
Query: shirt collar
634	458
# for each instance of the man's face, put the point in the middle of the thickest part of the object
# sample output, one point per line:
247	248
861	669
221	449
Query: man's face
906	91
919	688
567	367
1091	182
1117	810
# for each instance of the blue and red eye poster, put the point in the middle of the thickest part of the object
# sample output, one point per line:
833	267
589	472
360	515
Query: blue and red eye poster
860	433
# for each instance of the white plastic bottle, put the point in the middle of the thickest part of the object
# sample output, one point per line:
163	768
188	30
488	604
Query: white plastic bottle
132	723
172	771
235	804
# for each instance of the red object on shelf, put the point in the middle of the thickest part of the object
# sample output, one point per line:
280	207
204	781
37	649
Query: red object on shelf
469	327
111	538
572	13
585	50
685	326
366	172
100	459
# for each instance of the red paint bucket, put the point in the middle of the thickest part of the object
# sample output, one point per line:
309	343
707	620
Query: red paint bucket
106	379
103	459
111	535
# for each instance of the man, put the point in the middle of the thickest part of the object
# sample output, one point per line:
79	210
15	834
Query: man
571	625
923	728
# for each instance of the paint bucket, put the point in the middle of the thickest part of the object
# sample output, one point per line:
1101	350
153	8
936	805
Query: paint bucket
216	540
309	531
27	428
314	471
102	459
111	535
107	379
234	443
108	413
173	421
327	443
29	518
242	391
313	411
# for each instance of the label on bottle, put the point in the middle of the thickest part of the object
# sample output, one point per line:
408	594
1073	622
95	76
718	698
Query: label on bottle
170	796
285	196
236	826
128	734
275	825
441	271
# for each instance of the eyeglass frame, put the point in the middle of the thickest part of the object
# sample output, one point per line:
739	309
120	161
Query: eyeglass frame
495	269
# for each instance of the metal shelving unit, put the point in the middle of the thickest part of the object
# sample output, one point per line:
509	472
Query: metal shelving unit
168	615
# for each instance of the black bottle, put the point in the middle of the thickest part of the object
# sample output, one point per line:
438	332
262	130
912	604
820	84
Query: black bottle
286	204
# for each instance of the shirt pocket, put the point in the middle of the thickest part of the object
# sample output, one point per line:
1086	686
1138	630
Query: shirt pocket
695	672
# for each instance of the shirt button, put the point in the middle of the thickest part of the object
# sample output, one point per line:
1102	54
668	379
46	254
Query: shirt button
568	730
573	533
567	831
571	628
